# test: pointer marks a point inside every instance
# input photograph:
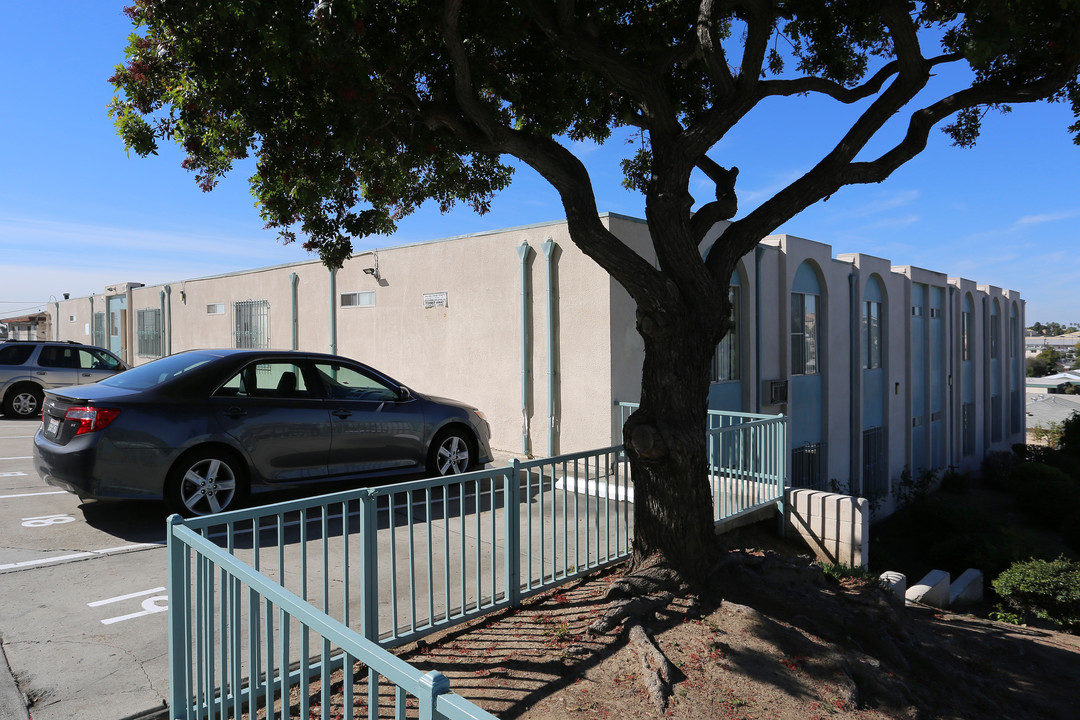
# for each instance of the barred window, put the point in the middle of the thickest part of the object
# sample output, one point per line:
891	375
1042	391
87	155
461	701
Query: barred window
726	360
804	334
148	329
98	331
252	324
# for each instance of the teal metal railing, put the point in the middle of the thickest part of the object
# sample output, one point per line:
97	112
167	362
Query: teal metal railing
266	601
387	565
747	459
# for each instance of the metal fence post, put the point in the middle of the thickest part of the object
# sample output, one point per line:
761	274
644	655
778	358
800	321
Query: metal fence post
369	554
781	468
512	517
179	614
432	684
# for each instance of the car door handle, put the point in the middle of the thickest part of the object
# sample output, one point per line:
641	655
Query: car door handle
342	413
42	372
235	412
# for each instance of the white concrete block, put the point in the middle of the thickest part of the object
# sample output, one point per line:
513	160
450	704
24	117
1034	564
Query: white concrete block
931	590
967	589
894	582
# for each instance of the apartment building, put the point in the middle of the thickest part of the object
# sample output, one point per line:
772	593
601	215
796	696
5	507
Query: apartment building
881	368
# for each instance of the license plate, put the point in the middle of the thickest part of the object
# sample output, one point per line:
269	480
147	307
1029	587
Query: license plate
53	427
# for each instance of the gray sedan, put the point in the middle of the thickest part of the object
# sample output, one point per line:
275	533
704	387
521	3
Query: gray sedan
202	429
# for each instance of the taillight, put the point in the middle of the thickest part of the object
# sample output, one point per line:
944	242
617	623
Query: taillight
91	419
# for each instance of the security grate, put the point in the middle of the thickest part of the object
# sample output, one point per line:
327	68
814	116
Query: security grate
252	324
875	463
807	466
148	329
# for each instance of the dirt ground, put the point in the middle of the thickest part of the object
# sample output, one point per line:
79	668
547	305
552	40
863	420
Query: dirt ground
770	637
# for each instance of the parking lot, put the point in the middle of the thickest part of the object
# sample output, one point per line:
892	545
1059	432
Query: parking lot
82	595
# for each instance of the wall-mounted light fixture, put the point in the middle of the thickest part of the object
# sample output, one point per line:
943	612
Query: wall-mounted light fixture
374	271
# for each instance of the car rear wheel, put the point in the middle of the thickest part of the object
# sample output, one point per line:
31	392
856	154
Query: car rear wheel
206	482
23	401
451	453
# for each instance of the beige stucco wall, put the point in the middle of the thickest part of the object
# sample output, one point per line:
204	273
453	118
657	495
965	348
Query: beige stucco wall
470	350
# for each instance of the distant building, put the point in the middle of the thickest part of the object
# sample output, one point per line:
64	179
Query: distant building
25	327
1055	383
1045	410
882	369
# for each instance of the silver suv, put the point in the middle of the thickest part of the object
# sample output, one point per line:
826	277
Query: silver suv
28	367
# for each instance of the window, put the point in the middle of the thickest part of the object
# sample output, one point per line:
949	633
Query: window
252	326
98	331
15	354
804	334
966	321
148	331
871	321
345	382
726	360
358	299
995	329
215	309
267	380
967	424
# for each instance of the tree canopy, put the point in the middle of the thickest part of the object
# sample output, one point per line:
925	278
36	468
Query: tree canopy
359	111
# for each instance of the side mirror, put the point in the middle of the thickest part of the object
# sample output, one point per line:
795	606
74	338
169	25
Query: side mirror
404	393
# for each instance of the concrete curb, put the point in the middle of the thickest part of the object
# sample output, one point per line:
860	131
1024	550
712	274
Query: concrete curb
12	701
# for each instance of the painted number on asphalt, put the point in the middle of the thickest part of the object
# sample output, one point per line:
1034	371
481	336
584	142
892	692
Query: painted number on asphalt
150	606
46	520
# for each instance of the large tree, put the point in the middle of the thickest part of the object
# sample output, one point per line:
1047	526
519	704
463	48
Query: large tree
359	111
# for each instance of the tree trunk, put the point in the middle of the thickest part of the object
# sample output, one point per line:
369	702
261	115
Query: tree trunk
665	442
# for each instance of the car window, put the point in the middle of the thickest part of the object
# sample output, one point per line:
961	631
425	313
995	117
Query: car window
15	353
345	382
91	359
266	380
158	371
58	356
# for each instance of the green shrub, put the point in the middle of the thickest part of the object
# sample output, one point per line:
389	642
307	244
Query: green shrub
1048	590
996	466
1044	494
1070	435
955	482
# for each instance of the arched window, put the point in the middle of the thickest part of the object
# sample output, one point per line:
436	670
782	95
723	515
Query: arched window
872	322
726	360
805	321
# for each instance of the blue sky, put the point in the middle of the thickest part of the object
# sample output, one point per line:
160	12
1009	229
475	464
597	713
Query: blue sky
77	213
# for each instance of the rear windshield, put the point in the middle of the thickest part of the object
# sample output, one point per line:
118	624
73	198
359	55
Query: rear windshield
158	371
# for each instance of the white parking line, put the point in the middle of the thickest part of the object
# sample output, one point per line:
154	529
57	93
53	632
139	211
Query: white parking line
50	492
15	437
76	556
118	598
24	457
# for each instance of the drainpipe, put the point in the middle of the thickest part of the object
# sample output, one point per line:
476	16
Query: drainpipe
91	319
523	251
168	318
856	363
333	311
759	252
549	252
161	330
293	280
56	319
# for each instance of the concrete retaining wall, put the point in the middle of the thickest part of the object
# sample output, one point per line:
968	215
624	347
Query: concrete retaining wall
836	527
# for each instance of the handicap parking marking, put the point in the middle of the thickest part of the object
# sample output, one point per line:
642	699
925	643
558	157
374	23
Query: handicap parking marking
46	520
150	606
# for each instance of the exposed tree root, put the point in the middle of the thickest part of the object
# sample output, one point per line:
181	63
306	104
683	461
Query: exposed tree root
640	594
659	674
